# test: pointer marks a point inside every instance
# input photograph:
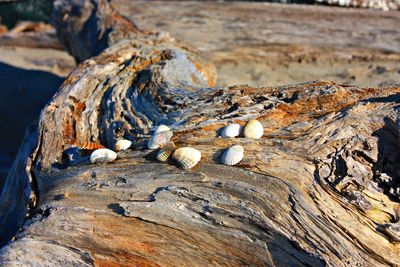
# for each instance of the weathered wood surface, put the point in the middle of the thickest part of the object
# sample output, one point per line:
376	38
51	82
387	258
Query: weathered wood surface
319	188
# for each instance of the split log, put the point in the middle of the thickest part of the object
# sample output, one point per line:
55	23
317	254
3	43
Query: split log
321	186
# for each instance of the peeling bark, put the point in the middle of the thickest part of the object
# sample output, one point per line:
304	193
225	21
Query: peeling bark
319	188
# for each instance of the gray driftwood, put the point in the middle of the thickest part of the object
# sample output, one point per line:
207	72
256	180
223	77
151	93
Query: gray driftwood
319	188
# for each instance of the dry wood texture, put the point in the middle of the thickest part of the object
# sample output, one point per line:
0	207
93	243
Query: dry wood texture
319	188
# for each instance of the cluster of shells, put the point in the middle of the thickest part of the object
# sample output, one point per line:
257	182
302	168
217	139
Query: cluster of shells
234	154
188	157
104	155
185	157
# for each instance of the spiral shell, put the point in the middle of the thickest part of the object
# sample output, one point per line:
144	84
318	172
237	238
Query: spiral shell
162	128
159	139
102	155
232	130
233	155
122	144
165	152
187	157
253	129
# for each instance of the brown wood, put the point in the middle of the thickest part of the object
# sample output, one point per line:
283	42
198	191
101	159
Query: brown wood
319	188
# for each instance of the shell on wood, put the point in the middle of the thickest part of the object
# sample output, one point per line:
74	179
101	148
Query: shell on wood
232	130
233	155
165	152
122	144
159	139
253	129
91	146
187	157
102	155
162	128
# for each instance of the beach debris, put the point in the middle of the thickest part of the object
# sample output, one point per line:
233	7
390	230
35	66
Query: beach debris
165	152
187	157
253	129
159	139
162	128
102	155
91	146
122	144
233	155
232	130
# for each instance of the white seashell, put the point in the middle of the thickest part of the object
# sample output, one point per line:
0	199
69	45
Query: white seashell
187	157
253	129
159	139
102	155
233	155
232	130
162	128
122	144
165	152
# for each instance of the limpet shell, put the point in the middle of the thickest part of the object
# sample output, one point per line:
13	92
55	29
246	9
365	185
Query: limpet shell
165	152
162	128
187	157
102	155
159	139
253	129
122	144
232	130
233	155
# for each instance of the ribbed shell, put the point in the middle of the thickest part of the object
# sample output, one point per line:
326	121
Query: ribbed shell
233	155
102	155
232	130
159	139
253	129
122	144
162	128
187	157
91	146
165	152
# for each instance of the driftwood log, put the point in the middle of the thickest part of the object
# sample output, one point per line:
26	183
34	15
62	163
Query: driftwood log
30	34
321	186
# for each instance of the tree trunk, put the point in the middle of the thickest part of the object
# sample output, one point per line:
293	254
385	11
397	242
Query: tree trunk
319	188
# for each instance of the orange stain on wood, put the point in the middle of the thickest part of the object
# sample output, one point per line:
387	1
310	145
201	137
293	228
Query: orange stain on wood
214	126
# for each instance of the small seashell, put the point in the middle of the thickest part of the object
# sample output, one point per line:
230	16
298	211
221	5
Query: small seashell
122	144
187	157
253	129
166	151
162	128
102	155
159	139
91	146
233	155
232	130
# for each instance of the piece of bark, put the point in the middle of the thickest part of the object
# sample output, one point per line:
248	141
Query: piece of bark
309	192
